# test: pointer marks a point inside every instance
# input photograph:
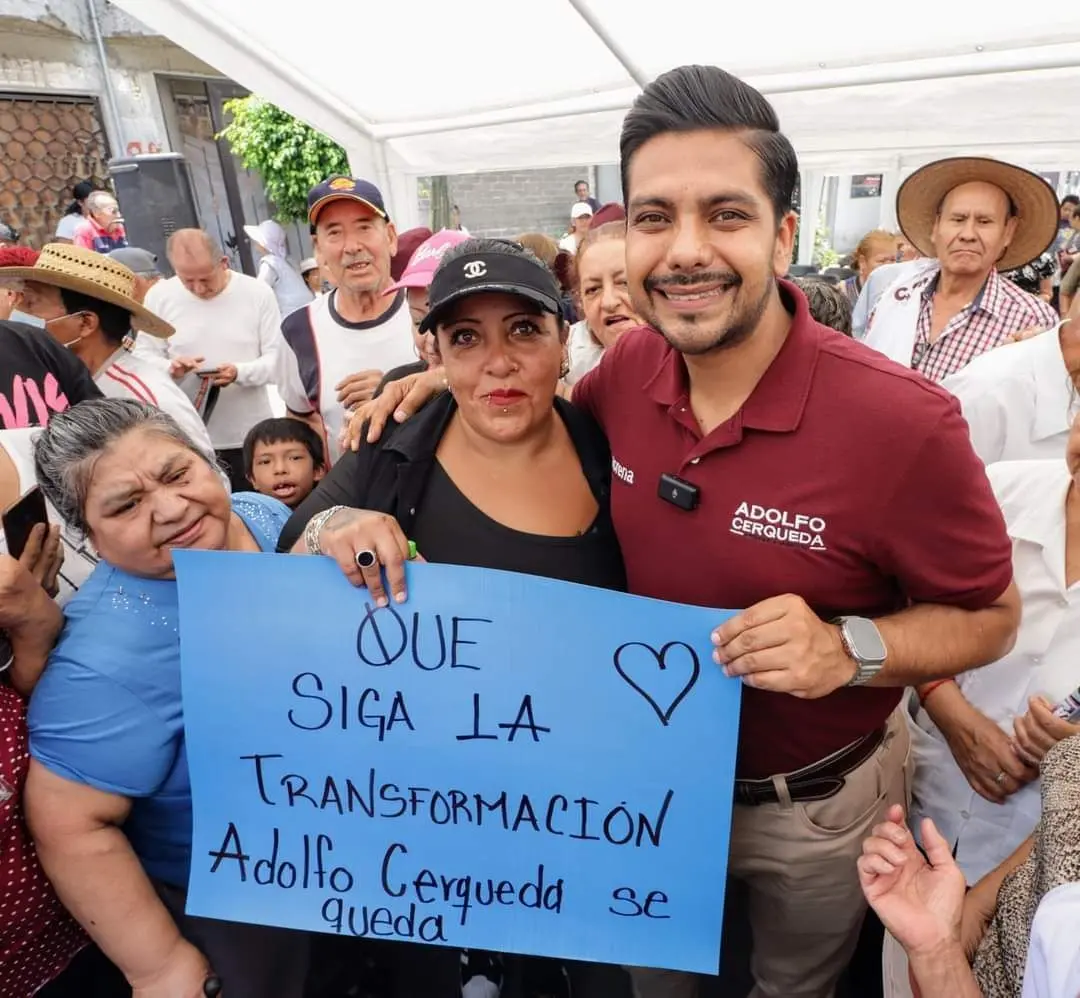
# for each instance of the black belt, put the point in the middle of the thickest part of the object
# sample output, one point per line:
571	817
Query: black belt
818	781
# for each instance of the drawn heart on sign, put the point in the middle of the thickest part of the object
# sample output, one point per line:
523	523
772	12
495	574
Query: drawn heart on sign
652	673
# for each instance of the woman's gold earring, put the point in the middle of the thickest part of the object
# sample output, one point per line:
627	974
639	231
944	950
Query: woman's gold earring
564	370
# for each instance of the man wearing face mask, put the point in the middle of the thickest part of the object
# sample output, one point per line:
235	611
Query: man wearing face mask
37	376
87	305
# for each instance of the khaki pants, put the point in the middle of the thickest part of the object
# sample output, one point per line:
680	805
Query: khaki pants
798	862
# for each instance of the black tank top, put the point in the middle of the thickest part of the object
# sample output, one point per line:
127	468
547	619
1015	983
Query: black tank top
451	530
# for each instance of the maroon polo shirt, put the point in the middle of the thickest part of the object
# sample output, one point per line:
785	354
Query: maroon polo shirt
845	479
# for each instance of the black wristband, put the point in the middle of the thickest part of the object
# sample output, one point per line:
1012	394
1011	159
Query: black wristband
7	658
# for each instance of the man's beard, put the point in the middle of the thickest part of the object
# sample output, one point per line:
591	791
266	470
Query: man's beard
740	325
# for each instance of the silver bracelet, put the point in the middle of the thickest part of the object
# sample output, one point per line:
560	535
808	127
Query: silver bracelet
313	531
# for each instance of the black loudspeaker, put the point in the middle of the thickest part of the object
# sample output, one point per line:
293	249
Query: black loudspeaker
156	199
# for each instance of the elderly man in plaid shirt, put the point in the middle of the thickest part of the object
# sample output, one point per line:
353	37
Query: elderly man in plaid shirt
976	217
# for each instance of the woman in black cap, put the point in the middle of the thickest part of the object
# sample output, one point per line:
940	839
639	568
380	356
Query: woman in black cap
497	473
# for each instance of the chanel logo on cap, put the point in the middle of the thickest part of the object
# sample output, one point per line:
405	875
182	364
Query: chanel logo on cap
474	269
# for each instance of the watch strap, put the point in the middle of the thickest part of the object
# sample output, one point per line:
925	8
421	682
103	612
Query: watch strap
865	669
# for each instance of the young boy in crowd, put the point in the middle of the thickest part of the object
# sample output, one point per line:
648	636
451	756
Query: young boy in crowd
284	458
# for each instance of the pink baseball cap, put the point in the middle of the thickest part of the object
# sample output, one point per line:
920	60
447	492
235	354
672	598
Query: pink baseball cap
425	261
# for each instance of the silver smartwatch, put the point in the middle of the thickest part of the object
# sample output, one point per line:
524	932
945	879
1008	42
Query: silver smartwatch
862	641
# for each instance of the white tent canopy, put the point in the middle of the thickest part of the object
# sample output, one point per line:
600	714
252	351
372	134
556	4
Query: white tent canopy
426	87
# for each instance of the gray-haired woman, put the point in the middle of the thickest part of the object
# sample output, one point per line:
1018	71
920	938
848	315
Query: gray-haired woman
108	796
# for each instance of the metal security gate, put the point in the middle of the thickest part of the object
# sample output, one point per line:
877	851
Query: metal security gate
228	196
47	145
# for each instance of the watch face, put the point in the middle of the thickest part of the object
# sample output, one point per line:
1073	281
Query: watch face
865	640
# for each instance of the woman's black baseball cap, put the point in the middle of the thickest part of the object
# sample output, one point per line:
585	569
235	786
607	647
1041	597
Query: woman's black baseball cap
490	273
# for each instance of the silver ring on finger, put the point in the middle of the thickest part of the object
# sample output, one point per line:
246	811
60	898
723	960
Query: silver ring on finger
1000	778
366	558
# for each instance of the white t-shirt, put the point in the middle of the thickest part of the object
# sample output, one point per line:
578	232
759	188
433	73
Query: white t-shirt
585	352
568	243
79	556
1053	962
129	375
65	228
326	349
1016	400
240	326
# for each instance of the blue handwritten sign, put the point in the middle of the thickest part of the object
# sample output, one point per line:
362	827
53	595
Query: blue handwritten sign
503	762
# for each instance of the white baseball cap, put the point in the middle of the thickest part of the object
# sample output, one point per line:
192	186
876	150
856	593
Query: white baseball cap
581	209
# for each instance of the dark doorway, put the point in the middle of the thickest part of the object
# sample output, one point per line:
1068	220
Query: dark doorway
227	195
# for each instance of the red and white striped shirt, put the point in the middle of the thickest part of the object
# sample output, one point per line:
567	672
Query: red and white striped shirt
128	375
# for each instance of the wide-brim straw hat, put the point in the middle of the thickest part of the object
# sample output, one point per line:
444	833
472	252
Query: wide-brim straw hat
73	268
1037	212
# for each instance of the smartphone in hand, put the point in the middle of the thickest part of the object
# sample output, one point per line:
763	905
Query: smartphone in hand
20	518
1069	708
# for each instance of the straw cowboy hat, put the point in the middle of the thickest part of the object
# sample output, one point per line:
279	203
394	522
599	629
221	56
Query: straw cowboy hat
920	197
73	268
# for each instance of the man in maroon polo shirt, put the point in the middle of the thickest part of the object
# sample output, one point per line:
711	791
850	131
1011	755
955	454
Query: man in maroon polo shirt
761	461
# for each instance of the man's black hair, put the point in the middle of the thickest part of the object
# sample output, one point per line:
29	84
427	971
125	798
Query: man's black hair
114	321
279	431
693	98
578	183
1071	199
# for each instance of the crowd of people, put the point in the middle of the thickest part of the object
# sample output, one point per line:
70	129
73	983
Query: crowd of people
881	475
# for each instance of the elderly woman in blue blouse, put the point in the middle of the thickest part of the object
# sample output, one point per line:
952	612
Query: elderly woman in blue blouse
108	797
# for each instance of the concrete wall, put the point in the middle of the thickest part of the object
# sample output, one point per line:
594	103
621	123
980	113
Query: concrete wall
608	184
46	16
116	23
506	204
46	45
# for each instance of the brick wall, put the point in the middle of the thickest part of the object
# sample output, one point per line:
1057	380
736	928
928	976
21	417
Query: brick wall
506	204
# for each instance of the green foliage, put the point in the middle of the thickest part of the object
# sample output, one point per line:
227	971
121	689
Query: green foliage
290	156
824	255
